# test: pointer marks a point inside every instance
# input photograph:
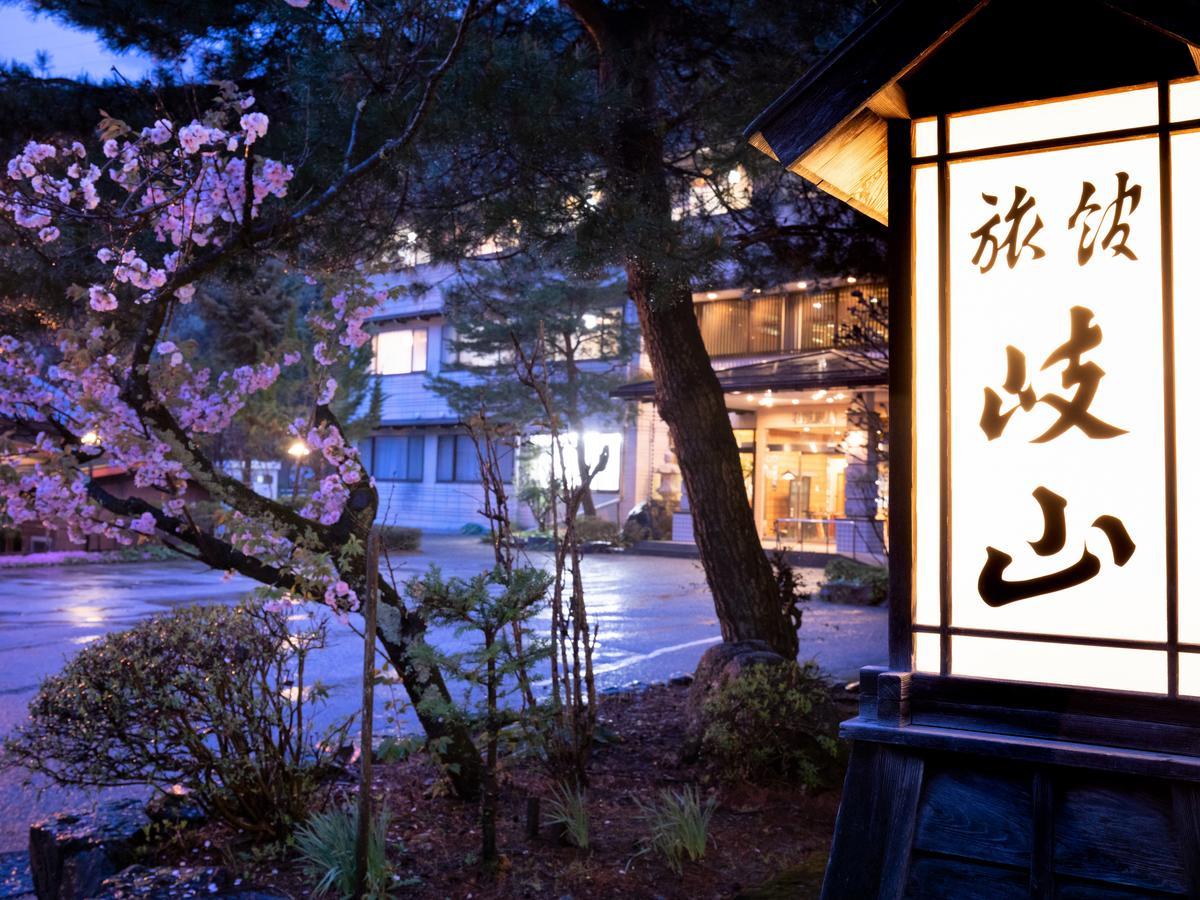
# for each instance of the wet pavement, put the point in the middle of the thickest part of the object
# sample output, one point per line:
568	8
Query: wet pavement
655	617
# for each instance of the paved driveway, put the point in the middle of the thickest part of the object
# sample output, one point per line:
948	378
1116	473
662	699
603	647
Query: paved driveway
655	616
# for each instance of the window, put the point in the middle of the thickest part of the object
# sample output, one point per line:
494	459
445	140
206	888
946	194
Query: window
715	194
594	444
401	351
809	320
395	457
458	461
408	252
603	334
454	355
725	326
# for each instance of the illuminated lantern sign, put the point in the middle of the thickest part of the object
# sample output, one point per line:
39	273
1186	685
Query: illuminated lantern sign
1035	731
1048	346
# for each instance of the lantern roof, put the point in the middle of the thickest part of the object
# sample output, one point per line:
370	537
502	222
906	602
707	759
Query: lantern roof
915	58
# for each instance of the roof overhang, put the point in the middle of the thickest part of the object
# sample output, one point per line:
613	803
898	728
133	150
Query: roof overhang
830	127
814	370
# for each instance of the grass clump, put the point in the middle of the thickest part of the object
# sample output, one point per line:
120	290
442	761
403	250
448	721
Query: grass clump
678	825
327	842
567	808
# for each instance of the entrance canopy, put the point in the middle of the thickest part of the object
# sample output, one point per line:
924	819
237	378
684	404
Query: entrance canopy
816	370
915	57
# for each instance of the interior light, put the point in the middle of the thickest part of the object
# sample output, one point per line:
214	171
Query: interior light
712	295
816	304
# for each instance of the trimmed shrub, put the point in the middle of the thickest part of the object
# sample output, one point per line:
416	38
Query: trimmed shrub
594	528
847	571
212	698
771	723
398	538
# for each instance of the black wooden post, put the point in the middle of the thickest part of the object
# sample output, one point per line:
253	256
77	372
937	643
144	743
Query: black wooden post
363	845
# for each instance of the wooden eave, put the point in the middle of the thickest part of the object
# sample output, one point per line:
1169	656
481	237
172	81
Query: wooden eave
830	127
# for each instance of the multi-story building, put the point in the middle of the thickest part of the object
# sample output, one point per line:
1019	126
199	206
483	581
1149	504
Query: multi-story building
801	404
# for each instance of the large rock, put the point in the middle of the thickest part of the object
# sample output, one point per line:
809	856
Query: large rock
650	520
175	807
720	664
71	854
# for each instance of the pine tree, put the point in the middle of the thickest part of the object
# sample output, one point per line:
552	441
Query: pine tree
510	307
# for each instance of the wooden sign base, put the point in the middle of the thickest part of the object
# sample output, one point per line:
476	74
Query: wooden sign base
949	812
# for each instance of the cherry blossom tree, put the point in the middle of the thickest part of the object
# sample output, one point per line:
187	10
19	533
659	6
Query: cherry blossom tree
161	207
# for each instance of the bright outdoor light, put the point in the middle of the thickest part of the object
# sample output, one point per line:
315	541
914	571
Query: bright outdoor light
90	439
298	449
1040	458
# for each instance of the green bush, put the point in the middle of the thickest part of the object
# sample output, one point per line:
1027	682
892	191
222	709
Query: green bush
771	723
327	843
210	697
594	528
399	537
848	571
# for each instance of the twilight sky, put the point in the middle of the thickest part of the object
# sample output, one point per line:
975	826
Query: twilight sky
72	51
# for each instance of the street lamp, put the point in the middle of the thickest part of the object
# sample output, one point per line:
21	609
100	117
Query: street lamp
1044	631
297	451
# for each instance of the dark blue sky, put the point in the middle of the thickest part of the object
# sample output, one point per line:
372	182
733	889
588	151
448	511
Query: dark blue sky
72	51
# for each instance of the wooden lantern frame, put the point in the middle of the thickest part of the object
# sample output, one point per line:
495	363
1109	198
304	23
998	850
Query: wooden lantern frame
1025	708
976	787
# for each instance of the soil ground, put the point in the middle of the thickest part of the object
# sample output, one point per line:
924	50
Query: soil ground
764	842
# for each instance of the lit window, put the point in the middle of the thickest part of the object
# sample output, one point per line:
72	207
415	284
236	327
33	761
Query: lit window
401	351
594	443
714	194
603	334
408	251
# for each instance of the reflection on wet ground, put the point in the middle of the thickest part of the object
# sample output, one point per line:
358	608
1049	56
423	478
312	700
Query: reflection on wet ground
655	617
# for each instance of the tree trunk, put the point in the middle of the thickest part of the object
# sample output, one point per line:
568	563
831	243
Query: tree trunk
689	397
691	402
449	739
576	421
585	494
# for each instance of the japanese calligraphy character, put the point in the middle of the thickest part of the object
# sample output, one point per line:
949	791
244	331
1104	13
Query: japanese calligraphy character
995	591
1014	244
1118	229
1073	412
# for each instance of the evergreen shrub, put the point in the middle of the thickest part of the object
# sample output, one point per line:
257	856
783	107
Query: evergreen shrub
212	698
771	723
